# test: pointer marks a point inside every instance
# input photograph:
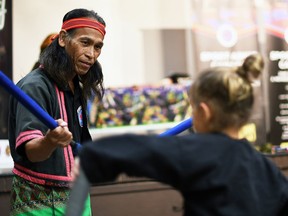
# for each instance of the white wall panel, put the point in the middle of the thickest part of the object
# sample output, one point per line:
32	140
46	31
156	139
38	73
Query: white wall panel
123	53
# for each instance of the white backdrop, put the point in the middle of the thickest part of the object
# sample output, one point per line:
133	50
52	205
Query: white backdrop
122	56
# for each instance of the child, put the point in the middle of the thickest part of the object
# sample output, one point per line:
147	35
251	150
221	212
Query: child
216	172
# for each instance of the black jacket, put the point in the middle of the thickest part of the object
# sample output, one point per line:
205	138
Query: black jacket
24	126
215	174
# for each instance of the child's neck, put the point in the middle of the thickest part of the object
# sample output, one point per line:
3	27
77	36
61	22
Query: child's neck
232	132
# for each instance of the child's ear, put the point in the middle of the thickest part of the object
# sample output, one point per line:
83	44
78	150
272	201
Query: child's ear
205	111
62	37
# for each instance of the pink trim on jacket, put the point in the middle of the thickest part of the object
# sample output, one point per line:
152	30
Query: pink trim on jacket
27	135
68	154
28	174
41	178
27	177
61	102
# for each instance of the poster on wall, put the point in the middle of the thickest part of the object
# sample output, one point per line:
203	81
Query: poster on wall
276	28
5	61
224	33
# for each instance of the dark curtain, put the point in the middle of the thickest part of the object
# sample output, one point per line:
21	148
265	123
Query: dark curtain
5	61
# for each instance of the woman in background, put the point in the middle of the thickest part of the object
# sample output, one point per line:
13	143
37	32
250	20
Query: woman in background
46	42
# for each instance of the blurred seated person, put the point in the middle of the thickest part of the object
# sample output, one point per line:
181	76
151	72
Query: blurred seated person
175	78
46	42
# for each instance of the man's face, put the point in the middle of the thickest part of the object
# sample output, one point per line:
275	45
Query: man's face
84	48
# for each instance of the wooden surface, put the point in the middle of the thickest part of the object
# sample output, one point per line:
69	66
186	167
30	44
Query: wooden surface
139	198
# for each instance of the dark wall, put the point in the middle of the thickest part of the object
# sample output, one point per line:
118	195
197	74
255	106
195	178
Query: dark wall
5	64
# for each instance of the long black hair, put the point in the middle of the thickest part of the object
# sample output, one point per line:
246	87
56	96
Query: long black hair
58	65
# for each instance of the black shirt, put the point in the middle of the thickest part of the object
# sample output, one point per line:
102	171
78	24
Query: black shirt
215	174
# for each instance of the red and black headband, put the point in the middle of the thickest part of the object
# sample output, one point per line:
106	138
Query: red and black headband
81	23
84	22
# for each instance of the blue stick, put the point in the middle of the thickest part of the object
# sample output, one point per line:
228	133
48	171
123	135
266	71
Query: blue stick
27	101
44	117
30	104
184	125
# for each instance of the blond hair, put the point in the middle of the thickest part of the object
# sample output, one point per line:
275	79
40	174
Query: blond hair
228	92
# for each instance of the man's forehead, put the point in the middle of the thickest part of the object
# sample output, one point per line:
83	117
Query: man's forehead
88	33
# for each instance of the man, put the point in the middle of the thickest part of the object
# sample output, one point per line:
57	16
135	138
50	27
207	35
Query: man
68	75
